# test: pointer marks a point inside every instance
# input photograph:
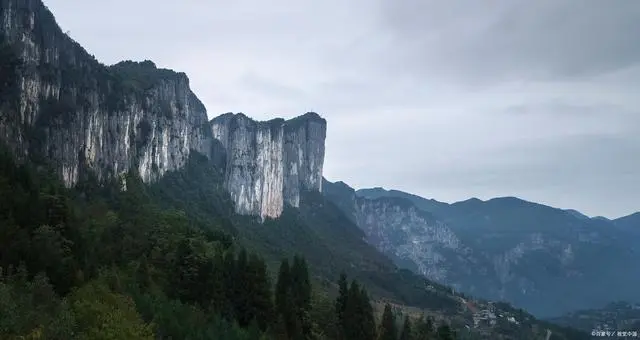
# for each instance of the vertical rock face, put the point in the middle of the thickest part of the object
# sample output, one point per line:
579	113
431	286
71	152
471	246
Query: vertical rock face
81	115
268	164
304	138
396	227
63	107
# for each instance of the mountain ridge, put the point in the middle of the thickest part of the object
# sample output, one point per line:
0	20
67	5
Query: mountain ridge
628	220
503	248
89	119
381	191
54	120
94	124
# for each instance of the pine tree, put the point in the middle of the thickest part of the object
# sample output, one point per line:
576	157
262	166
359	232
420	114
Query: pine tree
424	328
242	290
301	295
185	276
352	314
406	333
214	279
388	329
260	304
444	332
283	303
229	282
282	287
301	283
293	298
368	319
341	304
359	322
430	325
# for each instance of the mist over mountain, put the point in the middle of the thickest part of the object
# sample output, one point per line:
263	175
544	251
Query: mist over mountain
547	260
119	168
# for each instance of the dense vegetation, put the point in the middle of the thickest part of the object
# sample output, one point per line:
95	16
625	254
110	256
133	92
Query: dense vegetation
318	230
98	263
171	260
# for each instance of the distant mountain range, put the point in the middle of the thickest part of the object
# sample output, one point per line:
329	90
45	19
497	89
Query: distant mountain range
618	316
546	260
118	167
628	223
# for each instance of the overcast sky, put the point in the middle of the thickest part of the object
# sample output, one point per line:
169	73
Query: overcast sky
444	99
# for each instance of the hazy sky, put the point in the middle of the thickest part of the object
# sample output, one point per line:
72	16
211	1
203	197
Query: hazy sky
445	99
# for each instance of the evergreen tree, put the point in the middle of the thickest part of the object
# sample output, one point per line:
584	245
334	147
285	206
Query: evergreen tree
358	315
228	283
260	303
213	275
430	325
301	284
242	290
424	328
341	304
352	313
293	298
301	295
444	332
185	279
406	332
283	303
388	329
368	319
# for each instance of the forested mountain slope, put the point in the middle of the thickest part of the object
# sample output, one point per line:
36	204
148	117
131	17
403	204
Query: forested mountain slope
120	218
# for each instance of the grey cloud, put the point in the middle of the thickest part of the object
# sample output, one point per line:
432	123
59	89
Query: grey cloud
271	87
594	174
506	39
559	106
553	155
601	116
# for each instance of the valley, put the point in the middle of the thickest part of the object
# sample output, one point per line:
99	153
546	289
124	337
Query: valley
546	260
126	212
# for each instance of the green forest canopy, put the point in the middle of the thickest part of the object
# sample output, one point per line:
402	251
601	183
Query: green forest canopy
105	264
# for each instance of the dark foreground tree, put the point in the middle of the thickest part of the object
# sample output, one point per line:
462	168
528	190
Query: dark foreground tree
445	333
293	299
406	332
357	321
388	329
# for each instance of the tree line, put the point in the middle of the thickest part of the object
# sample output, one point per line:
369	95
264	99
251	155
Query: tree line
99	263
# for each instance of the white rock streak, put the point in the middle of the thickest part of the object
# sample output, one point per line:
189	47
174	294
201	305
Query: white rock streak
80	115
270	163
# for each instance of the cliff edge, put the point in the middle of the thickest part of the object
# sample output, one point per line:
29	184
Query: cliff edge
79	115
62	107
268	164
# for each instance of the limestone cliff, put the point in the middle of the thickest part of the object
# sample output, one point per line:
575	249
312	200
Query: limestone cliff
59	105
268	164
398	228
81	115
